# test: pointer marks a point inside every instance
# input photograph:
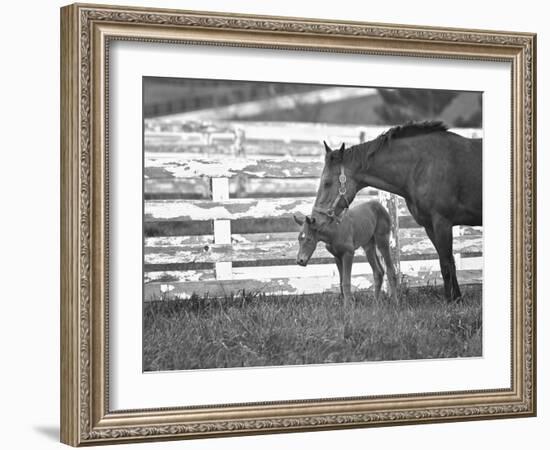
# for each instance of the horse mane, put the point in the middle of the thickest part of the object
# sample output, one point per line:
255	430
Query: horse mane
411	129
361	152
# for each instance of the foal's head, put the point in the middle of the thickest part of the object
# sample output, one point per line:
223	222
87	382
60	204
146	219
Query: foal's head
337	188
307	239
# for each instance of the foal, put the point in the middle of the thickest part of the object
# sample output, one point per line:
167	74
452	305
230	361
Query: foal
365	225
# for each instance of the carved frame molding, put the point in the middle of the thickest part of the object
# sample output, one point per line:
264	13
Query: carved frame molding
86	31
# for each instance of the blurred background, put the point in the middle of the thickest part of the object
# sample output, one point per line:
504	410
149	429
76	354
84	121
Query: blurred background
259	101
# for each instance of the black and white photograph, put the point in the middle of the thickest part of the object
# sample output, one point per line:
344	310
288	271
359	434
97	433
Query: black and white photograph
275	225
281	221
291	224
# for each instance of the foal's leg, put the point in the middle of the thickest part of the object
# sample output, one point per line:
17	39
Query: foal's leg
338	262
377	270
383	244
441	234
347	261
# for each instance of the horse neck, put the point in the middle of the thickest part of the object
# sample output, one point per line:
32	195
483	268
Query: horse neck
387	169
332	231
329	233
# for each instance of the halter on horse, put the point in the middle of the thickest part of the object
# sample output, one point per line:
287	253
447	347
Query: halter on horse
329	212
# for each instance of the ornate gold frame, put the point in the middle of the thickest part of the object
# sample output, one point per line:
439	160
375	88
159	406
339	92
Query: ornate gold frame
86	31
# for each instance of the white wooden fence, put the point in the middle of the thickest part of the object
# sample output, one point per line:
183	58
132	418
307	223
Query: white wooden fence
219	200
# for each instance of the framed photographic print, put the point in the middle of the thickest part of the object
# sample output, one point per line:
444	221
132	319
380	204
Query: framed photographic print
275	224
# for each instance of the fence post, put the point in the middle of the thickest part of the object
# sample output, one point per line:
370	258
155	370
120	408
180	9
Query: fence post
390	202
238	149
458	231
220	192
222	227
238	144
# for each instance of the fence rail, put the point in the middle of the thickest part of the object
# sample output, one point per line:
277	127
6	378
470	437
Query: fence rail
219	201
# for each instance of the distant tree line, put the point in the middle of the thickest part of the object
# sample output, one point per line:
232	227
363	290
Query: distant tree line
403	105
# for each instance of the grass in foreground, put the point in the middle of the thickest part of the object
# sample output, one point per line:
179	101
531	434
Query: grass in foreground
203	333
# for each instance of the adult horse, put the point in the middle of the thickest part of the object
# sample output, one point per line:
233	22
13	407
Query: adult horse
437	172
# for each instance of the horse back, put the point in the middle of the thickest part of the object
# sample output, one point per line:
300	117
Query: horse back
449	180
467	161
369	218
468	176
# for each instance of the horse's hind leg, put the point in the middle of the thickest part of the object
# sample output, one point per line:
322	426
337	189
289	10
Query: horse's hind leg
377	269
383	244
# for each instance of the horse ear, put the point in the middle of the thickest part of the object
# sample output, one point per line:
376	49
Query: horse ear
343	146
310	220
327	148
298	220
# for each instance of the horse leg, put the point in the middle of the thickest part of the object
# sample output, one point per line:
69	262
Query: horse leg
338	262
377	270
441	235
347	261
383	243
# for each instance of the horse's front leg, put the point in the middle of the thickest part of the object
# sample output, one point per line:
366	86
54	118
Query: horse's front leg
441	234
347	262
338	262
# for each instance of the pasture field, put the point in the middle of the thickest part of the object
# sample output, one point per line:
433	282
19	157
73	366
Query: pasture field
255	330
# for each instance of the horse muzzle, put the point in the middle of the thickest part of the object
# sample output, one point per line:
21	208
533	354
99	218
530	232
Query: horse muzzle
302	261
